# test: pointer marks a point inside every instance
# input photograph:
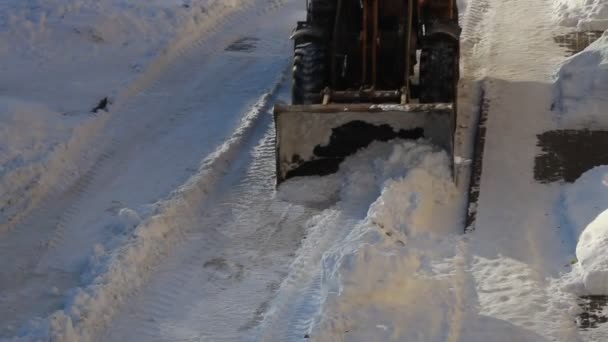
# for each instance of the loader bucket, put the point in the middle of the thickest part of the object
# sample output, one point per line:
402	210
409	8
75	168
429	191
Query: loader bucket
315	139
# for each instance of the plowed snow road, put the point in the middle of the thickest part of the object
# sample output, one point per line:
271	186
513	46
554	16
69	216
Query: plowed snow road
209	110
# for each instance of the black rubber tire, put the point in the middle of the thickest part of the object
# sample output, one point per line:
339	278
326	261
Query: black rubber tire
438	72
309	73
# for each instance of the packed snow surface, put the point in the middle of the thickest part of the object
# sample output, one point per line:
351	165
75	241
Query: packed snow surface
60	59
581	86
90	202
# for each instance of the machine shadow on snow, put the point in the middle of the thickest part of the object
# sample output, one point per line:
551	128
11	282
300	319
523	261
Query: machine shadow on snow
490	326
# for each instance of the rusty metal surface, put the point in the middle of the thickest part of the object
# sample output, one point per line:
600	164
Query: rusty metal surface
315	139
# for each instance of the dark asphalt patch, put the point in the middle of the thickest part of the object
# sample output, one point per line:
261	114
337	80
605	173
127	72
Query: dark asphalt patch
567	154
593	312
575	42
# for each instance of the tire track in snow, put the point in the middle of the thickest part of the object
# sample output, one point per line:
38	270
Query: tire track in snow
45	230
125	124
207	288
220	18
464	290
472	33
299	298
153	239
148	79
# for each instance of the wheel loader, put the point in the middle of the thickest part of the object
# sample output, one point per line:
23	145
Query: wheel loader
366	70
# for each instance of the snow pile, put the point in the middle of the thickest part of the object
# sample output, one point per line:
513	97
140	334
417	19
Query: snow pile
390	279
59	60
141	239
592	256
85	28
27	132
581	87
585	15
35	143
586	198
585	203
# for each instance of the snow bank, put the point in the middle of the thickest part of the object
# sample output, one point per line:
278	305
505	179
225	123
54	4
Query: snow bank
585	203
585	15
142	238
76	29
36	143
586	198
385	281
581	86
592	256
59	59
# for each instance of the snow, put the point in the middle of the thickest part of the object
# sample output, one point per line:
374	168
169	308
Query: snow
115	271
581	86
580	94
375	280
99	233
591	254
585	199
36	142
585	15
372	253
377	199
317	129
585	203
59	59
511	278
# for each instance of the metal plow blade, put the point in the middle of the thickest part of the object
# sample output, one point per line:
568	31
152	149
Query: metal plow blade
315	139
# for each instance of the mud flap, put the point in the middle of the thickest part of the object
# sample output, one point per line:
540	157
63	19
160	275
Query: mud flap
315	139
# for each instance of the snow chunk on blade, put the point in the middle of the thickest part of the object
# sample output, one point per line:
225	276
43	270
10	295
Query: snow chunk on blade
315	139
389	279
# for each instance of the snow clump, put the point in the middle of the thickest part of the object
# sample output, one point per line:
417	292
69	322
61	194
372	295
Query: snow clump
585	203
592	257
585	15
392	264
581	87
